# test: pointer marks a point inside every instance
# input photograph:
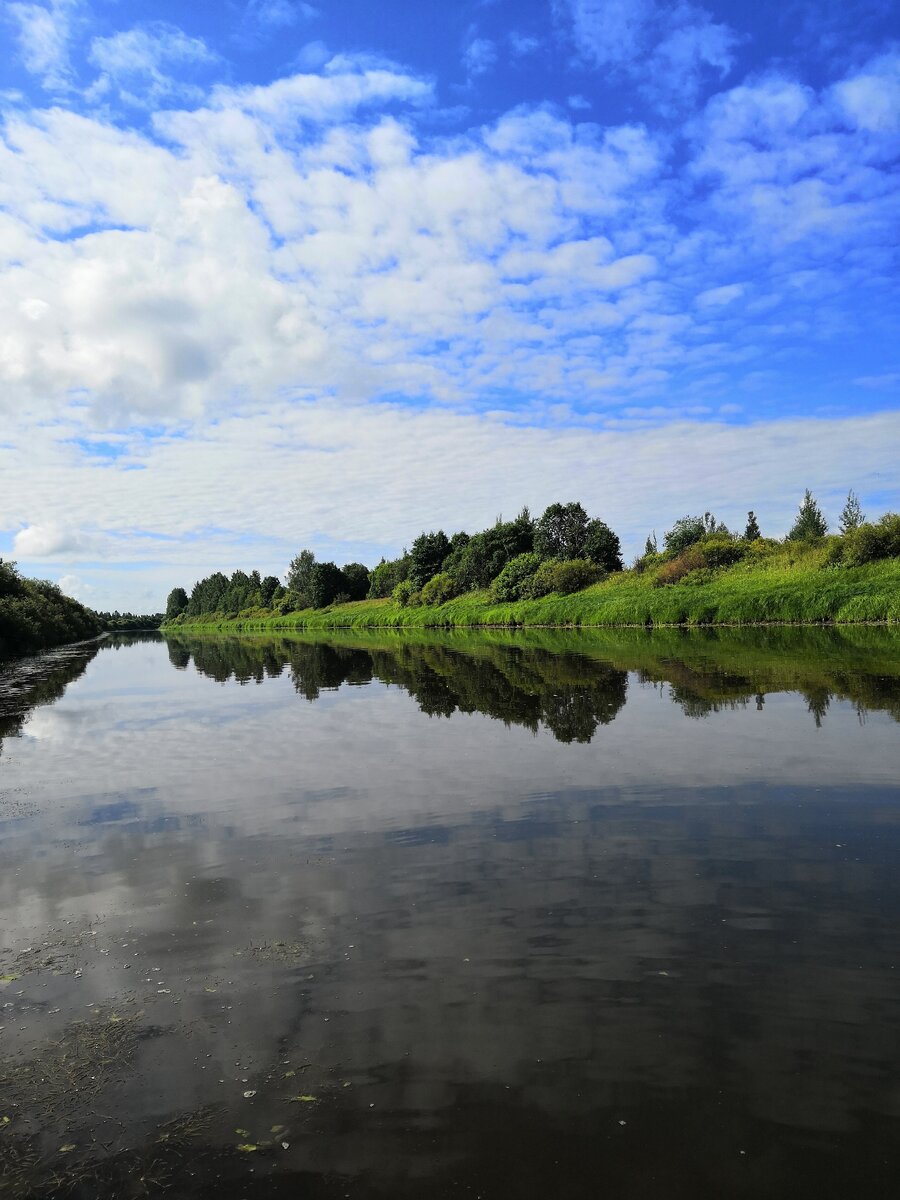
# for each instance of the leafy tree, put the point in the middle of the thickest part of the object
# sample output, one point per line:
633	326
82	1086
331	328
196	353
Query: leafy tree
300	575
602	546
357	580
475	562
267	589
686	531
809	523
403	593
427	556
561	532
650	546
385	577
327	584
176	603
752	531
852	515
514	580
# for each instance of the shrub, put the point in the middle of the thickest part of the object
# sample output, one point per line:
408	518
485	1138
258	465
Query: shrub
439	589
402	592
720	550
570	575
684	533
676	569
869	542
514	580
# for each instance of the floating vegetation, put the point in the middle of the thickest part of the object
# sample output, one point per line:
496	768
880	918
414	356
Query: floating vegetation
288	954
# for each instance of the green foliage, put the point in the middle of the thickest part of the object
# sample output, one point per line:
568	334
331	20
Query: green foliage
176	603
326	584
439	589
561	532
721	550
752	530
514	581
385	577
650	546
268	589
852	515
570	575
300	574
809	523
685	532
677	568
474	563
34	614
356	579
602	546
403	592
427	556
871	542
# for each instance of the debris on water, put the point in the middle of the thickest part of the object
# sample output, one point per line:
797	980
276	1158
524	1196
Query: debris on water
623	1122
303	1099
67	1149
249	1095
285	1145
247	1147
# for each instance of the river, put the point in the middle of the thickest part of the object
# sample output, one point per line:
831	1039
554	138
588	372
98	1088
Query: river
547	914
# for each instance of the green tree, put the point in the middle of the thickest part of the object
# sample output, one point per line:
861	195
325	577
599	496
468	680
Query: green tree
300	575
686	531
176	603
852	515
426	556
752	531
809	523
267	589
561	532
602	546
327	584
357	580
650	546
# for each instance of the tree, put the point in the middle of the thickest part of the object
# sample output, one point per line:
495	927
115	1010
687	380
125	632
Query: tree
685	532
176	603
426	556
809	523
561	531
602	546
356	577
650	546
327	583
852	515
267	589
300	575
752	532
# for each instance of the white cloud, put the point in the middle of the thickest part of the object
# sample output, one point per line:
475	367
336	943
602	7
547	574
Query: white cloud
134	62
479	55
51	541
44	31
78	588
666	50
871	98
717	296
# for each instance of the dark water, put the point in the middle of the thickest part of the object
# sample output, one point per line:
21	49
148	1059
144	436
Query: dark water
437	916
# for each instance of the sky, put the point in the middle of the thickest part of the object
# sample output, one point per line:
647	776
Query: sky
277	274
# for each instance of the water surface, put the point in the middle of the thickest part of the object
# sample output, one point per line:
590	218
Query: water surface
536	915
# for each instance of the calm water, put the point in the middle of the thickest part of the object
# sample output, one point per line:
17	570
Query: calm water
502	917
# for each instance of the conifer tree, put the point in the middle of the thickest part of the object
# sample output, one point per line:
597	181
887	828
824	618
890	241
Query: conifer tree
752	532
810	523
650	546
852	515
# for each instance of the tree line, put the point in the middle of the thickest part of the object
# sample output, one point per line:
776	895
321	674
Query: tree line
562	551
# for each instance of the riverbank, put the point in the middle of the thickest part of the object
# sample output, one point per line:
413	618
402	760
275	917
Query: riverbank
739	595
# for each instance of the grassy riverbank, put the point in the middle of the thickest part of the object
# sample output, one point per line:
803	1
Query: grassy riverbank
786	589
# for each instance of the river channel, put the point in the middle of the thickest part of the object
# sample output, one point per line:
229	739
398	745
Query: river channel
500	915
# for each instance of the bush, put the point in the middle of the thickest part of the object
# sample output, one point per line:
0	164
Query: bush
439	589
403	592
676	569
719	550
514	581
868	543
570	575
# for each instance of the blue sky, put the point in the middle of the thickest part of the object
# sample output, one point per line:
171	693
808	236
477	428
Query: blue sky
281	274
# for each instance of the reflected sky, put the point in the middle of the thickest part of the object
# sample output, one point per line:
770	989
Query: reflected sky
663	954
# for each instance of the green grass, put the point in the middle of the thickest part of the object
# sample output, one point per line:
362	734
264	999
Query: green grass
788	587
